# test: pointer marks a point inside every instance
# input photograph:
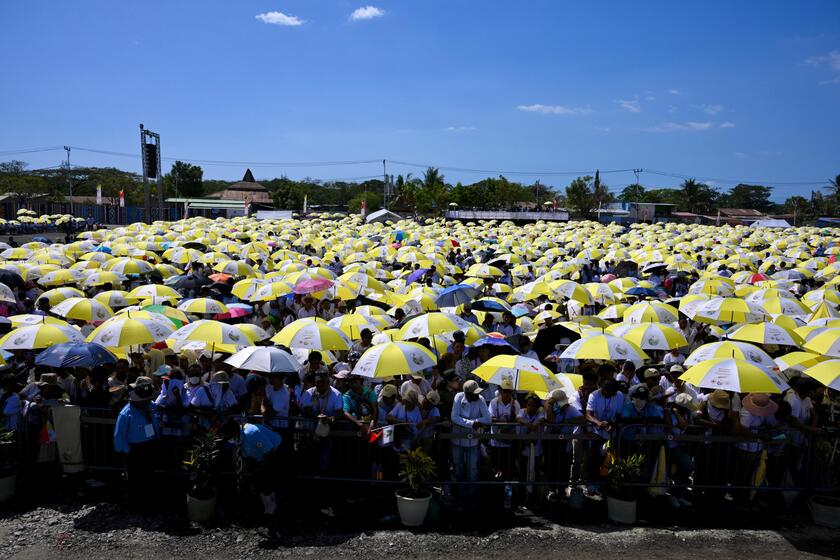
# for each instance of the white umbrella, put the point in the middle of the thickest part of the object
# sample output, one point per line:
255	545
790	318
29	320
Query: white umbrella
264	358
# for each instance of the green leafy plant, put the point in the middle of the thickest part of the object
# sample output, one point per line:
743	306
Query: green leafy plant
416	467
200	462
9	452
624	471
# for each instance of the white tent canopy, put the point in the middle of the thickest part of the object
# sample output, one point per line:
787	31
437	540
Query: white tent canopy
382	215
771	223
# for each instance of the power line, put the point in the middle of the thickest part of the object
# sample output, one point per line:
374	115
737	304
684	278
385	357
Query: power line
502	172
338	163
719	180
29	150
238	163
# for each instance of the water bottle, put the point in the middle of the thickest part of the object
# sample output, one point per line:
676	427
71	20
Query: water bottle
508	496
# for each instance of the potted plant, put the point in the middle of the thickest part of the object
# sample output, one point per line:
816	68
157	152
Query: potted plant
621	497
416	467
8	464
200	463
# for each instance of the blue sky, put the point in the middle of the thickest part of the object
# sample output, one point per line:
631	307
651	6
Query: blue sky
723	90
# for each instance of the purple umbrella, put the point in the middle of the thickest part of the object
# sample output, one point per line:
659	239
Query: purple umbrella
416	275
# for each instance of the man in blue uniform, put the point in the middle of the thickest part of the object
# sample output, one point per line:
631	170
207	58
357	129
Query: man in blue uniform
137	437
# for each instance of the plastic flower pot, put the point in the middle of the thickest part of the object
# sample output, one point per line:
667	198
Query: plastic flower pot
413	506
621	511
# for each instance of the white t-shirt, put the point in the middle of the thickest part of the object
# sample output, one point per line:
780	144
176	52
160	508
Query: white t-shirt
752	423
670	359
279	400
498	409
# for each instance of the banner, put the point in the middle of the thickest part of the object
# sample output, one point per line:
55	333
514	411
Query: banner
305	201
99	194
122	199
363	208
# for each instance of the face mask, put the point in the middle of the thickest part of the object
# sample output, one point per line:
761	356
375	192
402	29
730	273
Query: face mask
639	404
194	380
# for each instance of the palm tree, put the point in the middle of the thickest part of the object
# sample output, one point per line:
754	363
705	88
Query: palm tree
434	193
833	189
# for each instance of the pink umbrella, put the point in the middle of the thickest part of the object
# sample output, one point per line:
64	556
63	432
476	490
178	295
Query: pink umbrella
608	278
313	285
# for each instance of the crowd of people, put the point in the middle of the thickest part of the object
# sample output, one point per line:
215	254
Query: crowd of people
535	297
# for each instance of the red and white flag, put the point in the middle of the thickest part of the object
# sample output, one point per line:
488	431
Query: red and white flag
122	199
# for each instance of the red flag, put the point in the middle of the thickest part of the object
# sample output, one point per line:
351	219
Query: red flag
122	199
375	435
47	434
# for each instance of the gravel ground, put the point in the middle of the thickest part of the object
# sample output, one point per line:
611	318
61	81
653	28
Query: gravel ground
100	531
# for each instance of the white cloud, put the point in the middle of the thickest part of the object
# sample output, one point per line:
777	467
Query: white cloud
727	124
631	105
687	126
740	155
832	60
366	12
674	91
459	128
713	109
554	109
279	18
672	108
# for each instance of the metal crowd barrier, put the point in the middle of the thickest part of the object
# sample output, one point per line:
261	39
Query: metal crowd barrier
563	455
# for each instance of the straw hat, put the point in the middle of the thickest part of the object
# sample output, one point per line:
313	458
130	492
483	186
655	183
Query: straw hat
388	391
759	404
651	373
559	397
720	399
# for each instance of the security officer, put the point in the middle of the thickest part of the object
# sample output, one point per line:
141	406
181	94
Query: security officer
137	436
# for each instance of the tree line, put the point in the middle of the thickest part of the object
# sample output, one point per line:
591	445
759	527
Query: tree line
426	194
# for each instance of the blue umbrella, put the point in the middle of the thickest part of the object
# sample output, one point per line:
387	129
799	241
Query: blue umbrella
41	239
489	305
416	275
643	292
75	354
499	343
456	295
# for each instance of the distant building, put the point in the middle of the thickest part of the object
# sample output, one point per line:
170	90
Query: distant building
245	196
246	190
634	212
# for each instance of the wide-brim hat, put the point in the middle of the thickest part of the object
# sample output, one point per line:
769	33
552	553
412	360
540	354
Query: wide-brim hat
759	404
720	399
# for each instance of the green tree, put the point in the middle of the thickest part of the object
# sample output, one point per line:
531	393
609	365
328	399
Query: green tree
580	199
285	193
798	206
185	180
633	193
833	189
697	197
754	197
373	201
434	194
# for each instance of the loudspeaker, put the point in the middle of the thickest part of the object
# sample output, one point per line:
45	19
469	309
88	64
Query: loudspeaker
150	160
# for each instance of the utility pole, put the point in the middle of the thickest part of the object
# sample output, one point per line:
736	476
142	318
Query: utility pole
385	189
69	181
